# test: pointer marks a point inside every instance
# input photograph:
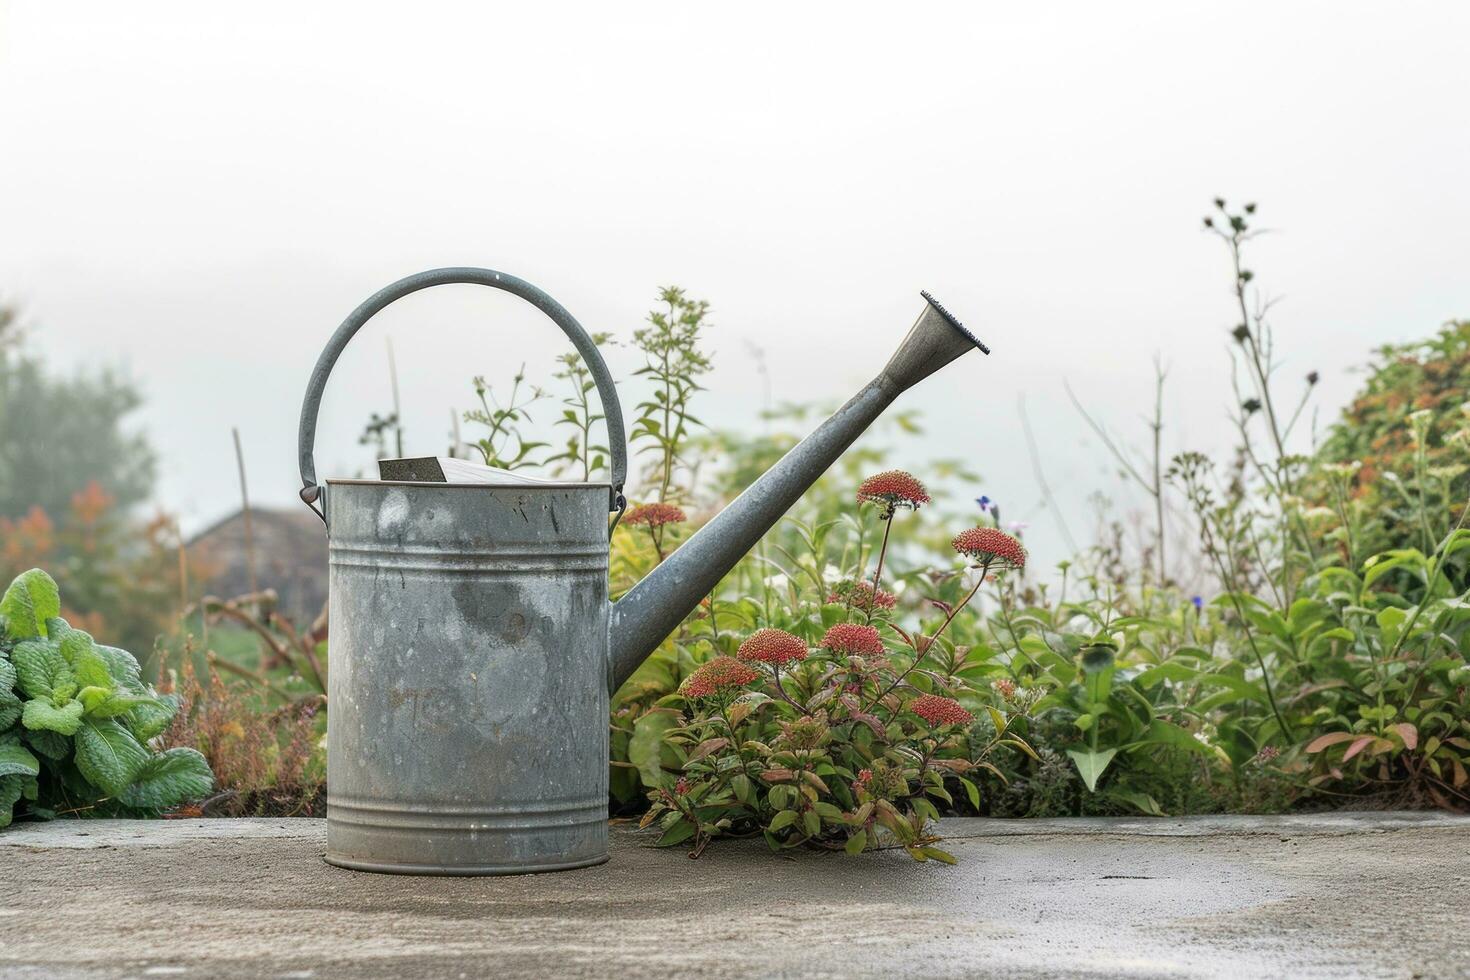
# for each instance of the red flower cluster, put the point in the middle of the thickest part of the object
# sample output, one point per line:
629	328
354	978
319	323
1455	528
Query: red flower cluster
859	595
989	546
1005	687
938	710
718	675
853	638
894	488
655	515
773	646
864	777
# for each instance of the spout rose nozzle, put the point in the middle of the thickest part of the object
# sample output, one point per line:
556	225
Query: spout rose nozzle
935	339
643	618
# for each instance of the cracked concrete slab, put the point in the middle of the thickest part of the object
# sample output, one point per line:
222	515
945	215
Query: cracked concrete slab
1332	895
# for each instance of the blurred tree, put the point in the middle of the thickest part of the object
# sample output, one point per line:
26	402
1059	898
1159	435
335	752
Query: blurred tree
59	434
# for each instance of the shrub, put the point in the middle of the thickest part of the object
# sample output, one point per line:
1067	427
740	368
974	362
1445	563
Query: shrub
119	576
847	743
1395	465
76	720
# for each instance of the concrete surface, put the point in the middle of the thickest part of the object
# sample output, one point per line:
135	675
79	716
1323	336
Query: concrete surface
1339	895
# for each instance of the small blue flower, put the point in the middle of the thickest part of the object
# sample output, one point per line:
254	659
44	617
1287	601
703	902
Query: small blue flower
984	502
1199	603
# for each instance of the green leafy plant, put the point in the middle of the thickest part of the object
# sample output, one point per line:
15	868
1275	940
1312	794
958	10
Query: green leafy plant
1388	678
673	362
503	445
851	743
76	719
1383	474
580	415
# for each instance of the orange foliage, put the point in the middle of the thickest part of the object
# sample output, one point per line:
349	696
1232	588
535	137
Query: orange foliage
27	542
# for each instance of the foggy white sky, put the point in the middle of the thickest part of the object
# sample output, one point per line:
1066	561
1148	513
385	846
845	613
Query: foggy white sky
202	192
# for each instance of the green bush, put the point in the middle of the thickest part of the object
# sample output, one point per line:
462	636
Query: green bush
1395	464
839	728
76	720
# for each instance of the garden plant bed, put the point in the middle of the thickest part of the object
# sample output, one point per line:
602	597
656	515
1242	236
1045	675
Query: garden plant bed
1330	895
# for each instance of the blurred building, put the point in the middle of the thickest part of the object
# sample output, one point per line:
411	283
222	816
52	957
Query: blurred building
290	557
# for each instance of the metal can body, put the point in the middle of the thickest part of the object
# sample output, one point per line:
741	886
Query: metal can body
467	730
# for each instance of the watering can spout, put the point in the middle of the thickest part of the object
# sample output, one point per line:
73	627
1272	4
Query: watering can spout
653	609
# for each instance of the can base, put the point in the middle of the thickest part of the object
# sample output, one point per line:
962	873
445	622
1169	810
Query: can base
458	871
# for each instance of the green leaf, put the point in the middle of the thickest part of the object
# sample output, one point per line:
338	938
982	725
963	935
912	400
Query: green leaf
92	697
31	600
857	842
153	716
1390	622
40	668
1166	733
87	664
783	819
1090	764
646	747
123	667
1145	803
42	715
972	791
1170	670
168	779
679	832
9	706
9	703
827	811
11	788
1411	559
52	745
116	705
16	761
939	855
108	755
811	823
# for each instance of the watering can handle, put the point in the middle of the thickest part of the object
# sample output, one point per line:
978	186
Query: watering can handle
311	491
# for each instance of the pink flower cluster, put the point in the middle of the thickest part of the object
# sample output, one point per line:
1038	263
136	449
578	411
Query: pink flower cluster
990	546
860	596
773	646
654	515
895	488
719	674
937	710
853	638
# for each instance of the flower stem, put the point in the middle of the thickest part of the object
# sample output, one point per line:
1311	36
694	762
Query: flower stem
919	654
781	691
878	573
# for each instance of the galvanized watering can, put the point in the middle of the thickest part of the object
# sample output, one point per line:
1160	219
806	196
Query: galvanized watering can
473	646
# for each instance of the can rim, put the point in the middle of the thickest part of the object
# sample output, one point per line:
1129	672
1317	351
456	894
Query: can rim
572	485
